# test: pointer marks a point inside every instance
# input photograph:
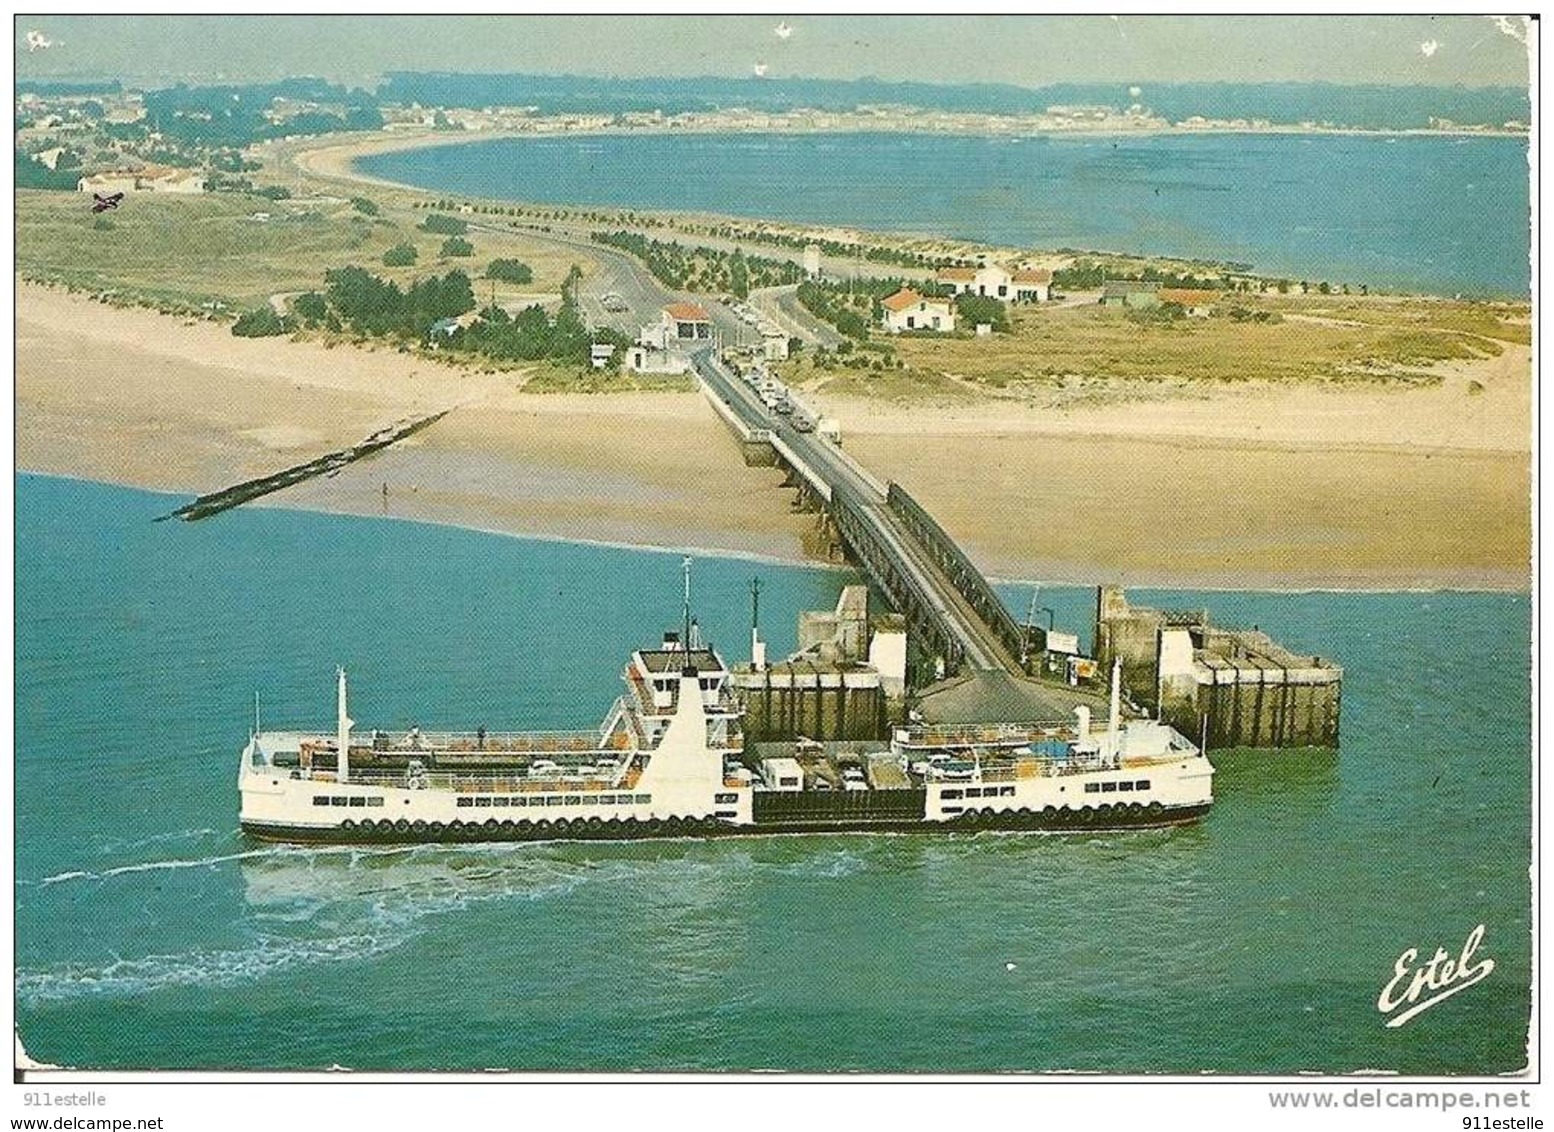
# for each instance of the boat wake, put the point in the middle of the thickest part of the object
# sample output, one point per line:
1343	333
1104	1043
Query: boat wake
306	907
128	977
152	866
158	839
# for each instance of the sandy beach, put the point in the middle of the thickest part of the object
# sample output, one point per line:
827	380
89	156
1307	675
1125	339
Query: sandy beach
336	160
1348	488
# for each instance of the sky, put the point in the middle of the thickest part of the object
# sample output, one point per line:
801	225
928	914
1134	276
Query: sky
1022	50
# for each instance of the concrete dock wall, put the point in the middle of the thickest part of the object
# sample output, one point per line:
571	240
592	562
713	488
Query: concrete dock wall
821	705
1240	685
1130	634
1260	707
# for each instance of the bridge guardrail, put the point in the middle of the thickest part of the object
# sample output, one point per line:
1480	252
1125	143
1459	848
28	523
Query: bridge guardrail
977	590
925	617
816	480
724	410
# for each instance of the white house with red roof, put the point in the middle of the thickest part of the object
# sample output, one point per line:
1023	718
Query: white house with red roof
1031	284
666	345
687	322
1022	285
907	310
984	279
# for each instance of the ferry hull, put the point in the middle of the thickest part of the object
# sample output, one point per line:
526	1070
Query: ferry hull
1049	821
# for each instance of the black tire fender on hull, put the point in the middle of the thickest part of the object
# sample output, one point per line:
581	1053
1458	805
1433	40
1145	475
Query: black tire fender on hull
1048	820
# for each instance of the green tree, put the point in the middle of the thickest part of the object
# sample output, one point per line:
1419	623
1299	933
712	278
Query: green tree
32	174
509	271
367	304
851	323
975	309
457	246
364	206
262	322
400	255
311	308
739	275
444	225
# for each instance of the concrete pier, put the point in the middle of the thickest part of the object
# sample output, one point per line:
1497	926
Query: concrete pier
1249	690
1240	685
843	683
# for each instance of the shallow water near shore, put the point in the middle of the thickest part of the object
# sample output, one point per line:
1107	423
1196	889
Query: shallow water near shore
1436	214
150	934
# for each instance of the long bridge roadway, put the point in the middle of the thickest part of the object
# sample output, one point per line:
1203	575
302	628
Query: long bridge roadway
952	610
857	497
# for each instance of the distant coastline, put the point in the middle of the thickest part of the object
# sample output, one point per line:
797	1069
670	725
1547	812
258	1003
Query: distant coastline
1045	196
336	154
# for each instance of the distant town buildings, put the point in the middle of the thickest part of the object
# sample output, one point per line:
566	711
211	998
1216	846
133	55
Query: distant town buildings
150	179
907	310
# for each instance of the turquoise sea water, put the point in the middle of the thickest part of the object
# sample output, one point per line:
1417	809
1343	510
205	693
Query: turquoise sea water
150	934
1434	214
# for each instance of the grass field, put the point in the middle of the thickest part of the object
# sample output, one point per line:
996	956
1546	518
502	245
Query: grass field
549	377
1316	338
1502	321
182	253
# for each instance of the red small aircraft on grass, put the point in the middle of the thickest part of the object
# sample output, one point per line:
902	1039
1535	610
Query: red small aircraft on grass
102	203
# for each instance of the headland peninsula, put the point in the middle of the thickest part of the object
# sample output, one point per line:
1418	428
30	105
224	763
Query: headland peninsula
1293	434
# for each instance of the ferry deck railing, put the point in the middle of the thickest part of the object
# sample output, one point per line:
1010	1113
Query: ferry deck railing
489	742
983	734
451	781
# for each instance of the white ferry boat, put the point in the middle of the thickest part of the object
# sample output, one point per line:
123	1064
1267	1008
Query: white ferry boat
669	760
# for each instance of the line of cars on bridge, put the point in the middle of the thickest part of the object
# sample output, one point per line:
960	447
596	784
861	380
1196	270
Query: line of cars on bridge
752	317
774	395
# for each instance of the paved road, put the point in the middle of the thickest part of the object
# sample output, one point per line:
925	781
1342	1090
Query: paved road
280	299
621	273
983	649
782	306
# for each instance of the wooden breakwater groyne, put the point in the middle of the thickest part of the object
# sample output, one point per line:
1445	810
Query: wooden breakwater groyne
216	502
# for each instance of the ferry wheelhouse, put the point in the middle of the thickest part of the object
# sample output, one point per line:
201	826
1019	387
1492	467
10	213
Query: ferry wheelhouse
658	763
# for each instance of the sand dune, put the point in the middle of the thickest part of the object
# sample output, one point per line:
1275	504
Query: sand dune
1286	488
